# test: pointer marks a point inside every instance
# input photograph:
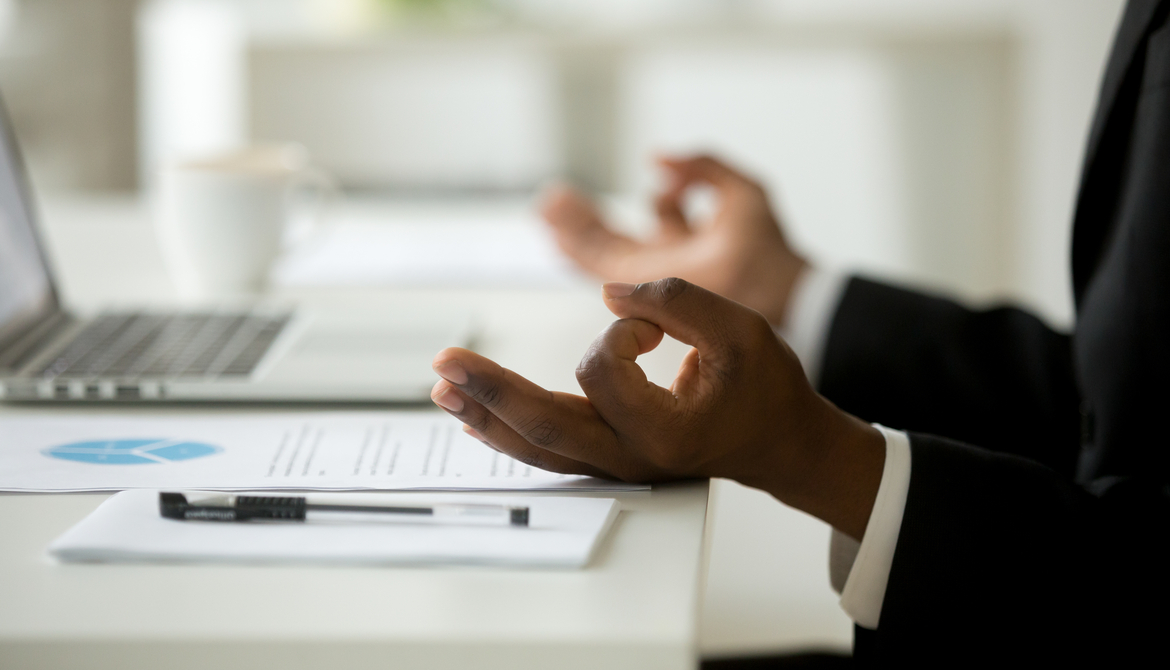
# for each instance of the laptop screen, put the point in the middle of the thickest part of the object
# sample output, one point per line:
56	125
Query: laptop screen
26	289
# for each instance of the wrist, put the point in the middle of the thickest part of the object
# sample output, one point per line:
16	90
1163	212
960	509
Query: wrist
840	464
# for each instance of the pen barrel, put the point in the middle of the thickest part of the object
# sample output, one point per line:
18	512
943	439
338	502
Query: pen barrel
441	514
230	507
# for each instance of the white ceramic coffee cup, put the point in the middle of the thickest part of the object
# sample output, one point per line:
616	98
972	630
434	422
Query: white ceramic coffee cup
221	221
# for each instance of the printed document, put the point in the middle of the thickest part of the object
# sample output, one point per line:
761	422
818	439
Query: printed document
309	451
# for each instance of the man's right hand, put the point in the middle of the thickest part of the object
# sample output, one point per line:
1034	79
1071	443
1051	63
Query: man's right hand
740	408
740	254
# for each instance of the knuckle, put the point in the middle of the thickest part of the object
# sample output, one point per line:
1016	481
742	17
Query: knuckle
542	432
735	357
480	421
664	291
487	393
743	344
592	366
758	332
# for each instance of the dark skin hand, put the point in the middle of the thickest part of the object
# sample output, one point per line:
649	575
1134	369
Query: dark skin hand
740	408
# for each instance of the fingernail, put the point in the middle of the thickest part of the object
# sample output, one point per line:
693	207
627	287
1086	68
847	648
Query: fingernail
453	372
617	289
448	400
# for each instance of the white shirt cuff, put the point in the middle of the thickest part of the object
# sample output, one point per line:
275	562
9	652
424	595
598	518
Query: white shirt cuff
809	316
865	589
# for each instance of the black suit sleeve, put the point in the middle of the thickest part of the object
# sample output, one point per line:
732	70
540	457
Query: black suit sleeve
1001	557
1003	552
999	378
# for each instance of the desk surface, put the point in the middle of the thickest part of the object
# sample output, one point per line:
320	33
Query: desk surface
636	605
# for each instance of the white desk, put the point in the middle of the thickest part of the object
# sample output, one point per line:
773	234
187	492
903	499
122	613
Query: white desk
635	606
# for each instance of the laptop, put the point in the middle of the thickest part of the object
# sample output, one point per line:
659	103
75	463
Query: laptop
49	354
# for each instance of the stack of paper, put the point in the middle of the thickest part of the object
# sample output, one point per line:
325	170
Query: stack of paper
562	533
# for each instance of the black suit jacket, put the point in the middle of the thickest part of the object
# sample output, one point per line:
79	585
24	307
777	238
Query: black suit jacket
1039	524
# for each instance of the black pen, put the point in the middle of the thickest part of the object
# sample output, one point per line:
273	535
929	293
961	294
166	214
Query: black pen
214	506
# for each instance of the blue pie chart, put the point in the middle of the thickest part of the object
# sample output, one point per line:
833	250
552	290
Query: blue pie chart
131	451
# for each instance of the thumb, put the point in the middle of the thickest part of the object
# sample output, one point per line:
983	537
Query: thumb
688	313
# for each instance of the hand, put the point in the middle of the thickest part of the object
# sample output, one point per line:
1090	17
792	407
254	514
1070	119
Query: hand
741	253
740	408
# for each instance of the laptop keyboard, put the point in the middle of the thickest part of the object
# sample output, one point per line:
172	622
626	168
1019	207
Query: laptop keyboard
133	346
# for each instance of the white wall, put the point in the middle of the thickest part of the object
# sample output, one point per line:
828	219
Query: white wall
886	154
815	124
1060	69
79	132
441	113
955	128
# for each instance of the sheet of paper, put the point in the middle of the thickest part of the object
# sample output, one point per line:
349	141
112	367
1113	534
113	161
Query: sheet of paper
319	450
563	532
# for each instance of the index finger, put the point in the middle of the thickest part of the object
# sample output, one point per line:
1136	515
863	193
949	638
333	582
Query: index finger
614	382
556	422
702	169
486	427
690	314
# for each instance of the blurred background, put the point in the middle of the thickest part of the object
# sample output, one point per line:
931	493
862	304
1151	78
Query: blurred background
935	142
